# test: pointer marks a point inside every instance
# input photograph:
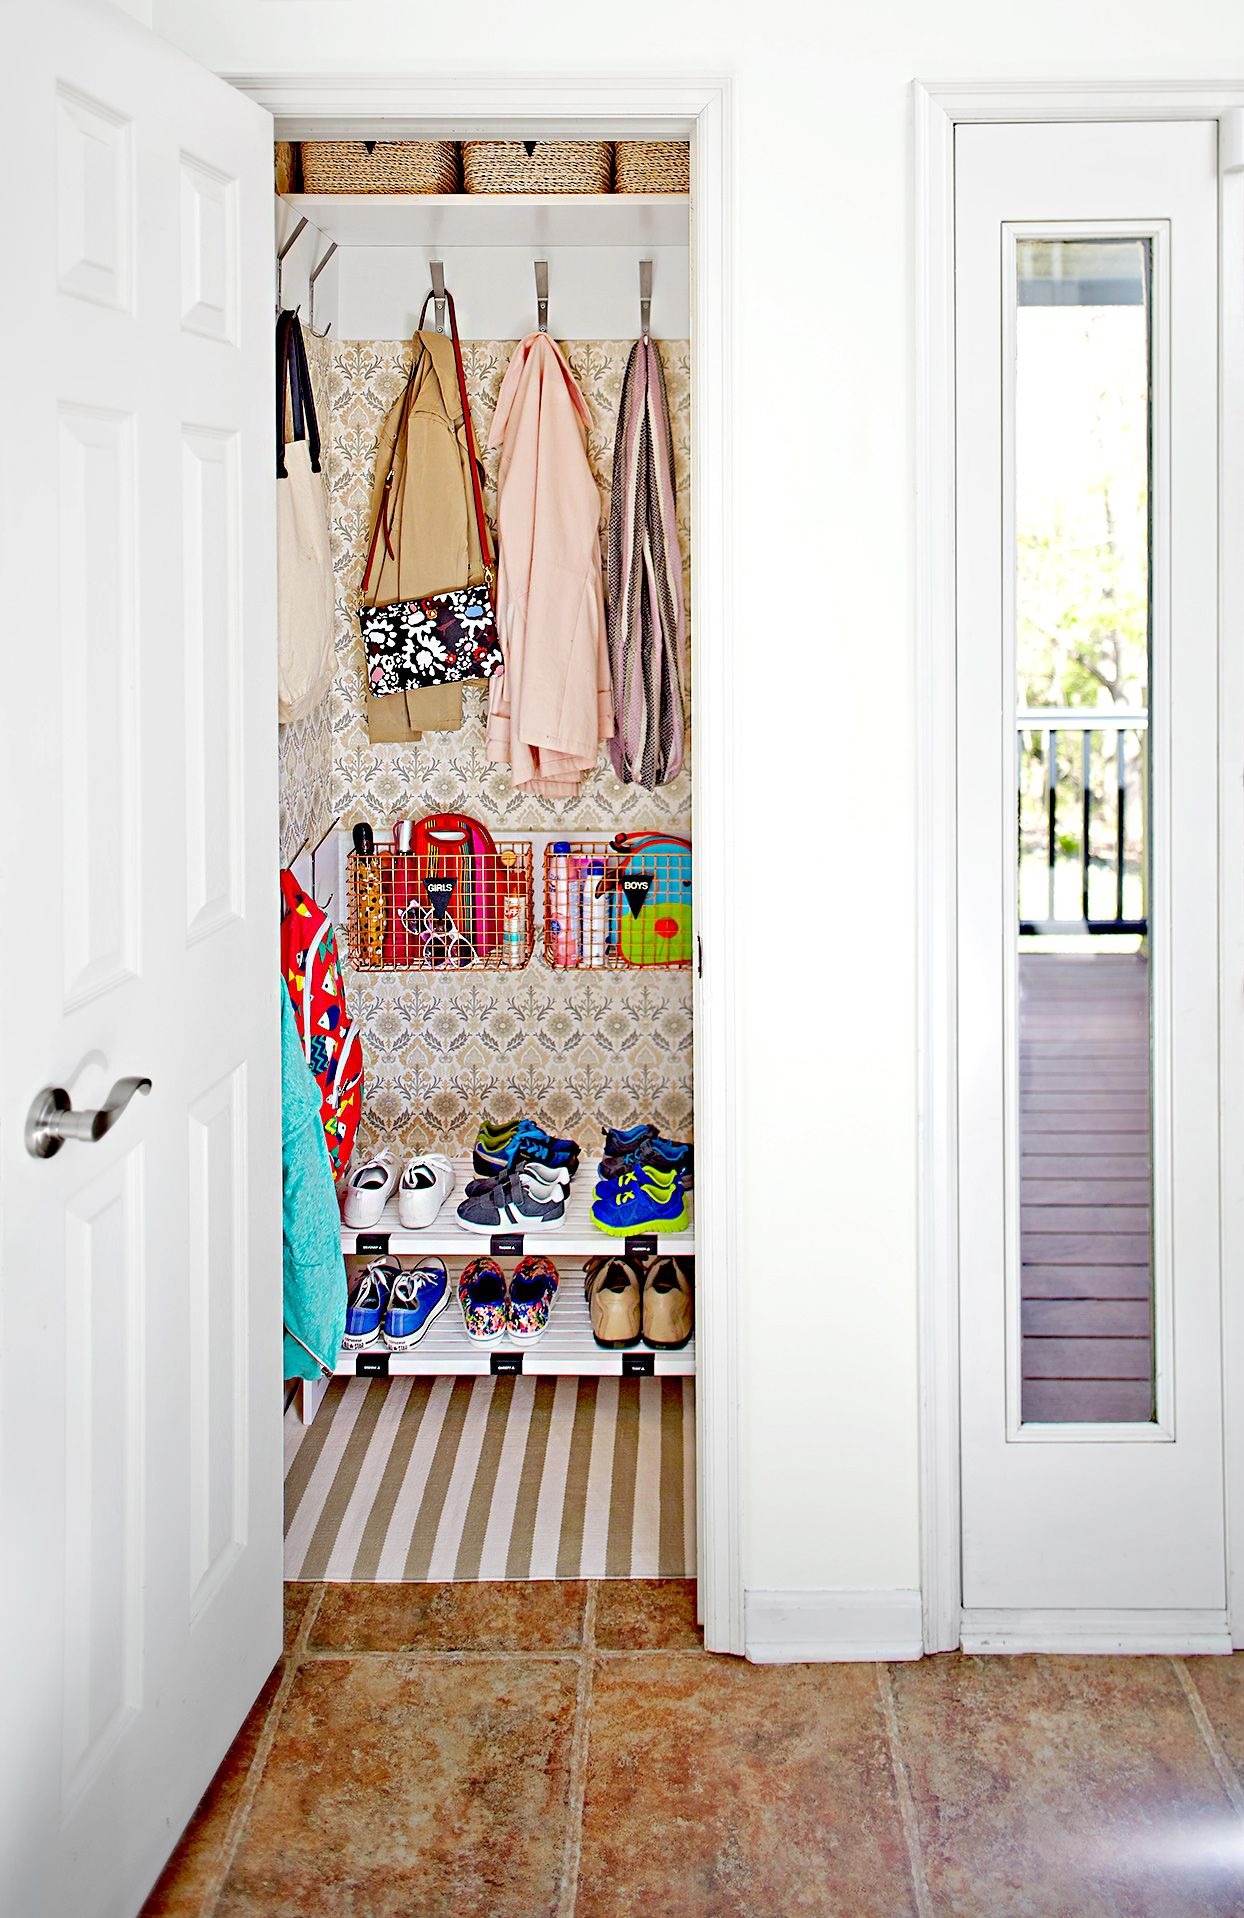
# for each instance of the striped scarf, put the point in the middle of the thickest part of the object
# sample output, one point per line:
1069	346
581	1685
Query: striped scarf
645	603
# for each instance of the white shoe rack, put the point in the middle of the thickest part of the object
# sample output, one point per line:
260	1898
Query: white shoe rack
567	1346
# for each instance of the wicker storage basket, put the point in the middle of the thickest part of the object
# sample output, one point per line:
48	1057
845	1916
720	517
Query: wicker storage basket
553	166
392	166
285	159
652	166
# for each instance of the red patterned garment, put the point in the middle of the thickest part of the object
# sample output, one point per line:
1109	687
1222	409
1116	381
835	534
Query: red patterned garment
330	1039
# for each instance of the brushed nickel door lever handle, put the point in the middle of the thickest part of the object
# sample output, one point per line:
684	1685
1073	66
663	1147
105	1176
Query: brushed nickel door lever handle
52	1119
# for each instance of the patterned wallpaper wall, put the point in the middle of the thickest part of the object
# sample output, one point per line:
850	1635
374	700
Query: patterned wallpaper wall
576	1051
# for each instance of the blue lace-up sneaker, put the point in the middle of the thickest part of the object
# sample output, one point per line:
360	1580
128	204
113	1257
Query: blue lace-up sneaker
418	1296
369	1296
635	1202
494	1157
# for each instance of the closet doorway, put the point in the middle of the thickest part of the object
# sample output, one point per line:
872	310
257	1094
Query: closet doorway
574	1406
148	1539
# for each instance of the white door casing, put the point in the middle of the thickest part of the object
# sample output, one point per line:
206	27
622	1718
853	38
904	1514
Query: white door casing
1103	1521
140	1319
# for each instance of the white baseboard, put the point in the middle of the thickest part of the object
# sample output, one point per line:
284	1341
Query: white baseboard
795	1628
1133	1633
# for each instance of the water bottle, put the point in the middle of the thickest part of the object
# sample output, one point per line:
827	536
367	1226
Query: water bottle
595	913
564	906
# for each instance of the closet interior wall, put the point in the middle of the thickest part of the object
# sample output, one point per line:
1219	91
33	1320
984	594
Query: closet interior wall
574	1050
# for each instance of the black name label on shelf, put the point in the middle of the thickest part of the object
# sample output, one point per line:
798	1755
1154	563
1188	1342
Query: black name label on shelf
506	1245
372	1365
639	1365
506	1364
641	1245
371	1244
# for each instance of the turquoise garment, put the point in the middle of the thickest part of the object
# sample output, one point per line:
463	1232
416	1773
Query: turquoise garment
315	1272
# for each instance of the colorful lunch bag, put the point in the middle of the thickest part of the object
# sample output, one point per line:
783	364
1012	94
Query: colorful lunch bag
654	907
330	1039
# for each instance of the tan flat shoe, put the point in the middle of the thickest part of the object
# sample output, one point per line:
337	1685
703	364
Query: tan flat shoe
612	1290
668	1308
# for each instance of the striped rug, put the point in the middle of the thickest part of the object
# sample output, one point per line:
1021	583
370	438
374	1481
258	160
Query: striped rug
479	1478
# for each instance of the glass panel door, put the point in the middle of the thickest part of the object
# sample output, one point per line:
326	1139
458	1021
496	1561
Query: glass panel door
1081	475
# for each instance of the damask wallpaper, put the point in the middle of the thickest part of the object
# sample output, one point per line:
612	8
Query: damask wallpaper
575	1051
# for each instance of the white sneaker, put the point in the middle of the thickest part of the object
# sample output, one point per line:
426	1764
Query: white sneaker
367	1189
426	1184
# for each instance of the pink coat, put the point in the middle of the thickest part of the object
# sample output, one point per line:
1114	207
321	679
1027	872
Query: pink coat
552	705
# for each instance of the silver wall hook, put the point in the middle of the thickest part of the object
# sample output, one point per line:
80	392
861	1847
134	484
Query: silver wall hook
316	270
280	261
437	268
542	295
645	298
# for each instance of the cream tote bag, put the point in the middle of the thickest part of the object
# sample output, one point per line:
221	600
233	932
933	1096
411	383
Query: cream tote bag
306	596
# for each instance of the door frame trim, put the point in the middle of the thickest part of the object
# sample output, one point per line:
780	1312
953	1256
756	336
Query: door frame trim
701	109
938	107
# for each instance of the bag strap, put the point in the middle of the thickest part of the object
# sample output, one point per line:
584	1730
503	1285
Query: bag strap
473	457
294	390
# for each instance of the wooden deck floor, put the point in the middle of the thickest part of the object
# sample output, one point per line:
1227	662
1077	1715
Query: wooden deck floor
1085	1187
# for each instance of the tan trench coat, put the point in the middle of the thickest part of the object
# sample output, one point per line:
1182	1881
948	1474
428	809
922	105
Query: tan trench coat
429	517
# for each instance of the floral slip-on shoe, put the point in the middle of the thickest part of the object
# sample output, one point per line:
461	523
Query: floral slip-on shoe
533	1288
481	1294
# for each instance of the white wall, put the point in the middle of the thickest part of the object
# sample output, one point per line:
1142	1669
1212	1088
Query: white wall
825	515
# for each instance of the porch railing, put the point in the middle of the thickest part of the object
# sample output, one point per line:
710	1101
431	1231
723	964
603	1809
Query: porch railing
1082	809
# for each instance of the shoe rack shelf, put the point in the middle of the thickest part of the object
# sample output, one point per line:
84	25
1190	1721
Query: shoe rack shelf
566	1348
575	1238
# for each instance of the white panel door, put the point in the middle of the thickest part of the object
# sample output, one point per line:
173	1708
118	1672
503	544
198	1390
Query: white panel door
1086	446
140	1303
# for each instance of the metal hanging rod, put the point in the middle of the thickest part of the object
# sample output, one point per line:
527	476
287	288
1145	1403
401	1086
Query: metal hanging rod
438	292
316	270
542	295
280	261
645	298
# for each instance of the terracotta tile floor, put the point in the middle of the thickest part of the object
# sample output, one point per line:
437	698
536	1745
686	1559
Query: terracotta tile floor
516	1751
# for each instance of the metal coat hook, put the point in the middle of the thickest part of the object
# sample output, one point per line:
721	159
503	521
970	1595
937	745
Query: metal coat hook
645	298
542	295
280	261
316	270
437	268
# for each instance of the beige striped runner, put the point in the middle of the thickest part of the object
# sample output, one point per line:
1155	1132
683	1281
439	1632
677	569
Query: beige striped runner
457	1478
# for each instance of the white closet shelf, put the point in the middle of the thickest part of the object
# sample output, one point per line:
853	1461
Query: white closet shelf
497	219
567	1348
575	1238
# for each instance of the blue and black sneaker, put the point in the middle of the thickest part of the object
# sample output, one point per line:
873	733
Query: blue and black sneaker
369	1296
627	1153
418	1296
528	1143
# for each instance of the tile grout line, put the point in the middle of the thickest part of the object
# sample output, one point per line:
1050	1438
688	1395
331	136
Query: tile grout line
569	1894
903	1792
263	1751
1213	1744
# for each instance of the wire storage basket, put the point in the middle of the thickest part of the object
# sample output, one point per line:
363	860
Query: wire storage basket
613	904
552	166
441	911
380	166
652	166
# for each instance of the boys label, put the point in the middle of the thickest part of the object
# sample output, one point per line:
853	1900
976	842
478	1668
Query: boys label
635	889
